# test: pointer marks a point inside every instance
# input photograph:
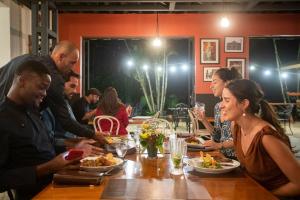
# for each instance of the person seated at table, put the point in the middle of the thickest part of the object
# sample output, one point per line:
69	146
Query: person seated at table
111	105
220	132
129	110
27	157
61	138
261	145
81	107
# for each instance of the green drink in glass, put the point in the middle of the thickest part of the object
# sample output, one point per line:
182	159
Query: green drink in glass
177	160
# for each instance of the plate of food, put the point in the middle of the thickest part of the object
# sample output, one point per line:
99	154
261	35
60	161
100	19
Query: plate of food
208	164
196	144
112	140
100	163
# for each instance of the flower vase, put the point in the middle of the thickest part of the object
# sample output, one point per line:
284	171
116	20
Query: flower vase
152	151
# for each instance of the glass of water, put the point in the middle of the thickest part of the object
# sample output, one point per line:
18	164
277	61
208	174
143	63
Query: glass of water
199	110
177	151
121	149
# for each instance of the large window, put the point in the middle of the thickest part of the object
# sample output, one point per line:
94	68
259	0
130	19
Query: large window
263	65
105	64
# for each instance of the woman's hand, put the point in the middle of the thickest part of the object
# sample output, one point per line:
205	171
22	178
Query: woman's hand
211	143
199	114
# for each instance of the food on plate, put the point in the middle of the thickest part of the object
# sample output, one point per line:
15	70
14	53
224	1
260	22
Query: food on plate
107	160
209	161
192	140
112	140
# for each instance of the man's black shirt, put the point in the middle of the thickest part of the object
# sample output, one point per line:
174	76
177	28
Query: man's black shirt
24	144
55	94
80	107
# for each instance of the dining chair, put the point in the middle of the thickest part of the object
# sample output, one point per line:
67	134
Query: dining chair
156	115
162	124
284	113
194	121
181	114
112	120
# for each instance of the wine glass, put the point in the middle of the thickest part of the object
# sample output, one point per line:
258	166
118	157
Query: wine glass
121	149
177	151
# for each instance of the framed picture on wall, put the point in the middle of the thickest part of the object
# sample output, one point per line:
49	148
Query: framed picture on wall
238	63
208	72
234	44
209	52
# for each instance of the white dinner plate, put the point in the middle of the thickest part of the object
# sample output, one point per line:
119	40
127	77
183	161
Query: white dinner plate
199	146
100	168
226	166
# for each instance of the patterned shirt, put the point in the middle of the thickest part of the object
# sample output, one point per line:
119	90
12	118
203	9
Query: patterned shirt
222	132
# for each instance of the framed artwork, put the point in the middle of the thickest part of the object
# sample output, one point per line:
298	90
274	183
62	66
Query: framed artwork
208	72
238	63
234	44
209	52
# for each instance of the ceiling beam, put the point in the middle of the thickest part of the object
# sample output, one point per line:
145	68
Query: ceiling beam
252	4
150	8
172	6
151	1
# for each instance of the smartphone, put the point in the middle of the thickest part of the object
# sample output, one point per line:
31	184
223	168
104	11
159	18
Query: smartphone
73	154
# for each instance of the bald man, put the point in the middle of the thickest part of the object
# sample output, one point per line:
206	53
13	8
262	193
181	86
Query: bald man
62	60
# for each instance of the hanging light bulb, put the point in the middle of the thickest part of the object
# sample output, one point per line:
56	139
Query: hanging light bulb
224	22
157	41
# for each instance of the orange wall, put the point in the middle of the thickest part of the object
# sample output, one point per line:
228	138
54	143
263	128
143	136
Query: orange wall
75	26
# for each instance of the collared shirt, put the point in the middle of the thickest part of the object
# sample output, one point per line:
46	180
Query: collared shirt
80	107
55	94
222	132
24	144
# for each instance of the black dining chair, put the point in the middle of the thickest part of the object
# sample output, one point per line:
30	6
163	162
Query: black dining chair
181	114
284	113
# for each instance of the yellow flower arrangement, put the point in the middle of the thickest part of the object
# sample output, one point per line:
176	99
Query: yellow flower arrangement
151	137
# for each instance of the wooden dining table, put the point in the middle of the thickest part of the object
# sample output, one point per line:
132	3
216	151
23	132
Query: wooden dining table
145	178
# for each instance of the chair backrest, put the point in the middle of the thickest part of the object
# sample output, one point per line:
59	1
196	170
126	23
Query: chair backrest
163	124
283	110
156	115
195	125
112	120
181	110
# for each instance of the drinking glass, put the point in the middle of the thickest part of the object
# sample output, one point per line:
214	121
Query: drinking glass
177	151
200	107
121	149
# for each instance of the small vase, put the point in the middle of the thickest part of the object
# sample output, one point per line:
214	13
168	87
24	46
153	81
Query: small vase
152	151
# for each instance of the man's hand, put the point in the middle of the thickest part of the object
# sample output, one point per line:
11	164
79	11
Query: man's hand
87	146
56	164
99	137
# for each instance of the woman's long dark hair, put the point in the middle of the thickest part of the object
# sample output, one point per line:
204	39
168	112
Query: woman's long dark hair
228	74
110	103
246	89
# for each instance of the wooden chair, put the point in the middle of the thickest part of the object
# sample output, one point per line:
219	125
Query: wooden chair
162	124
111	119
194	121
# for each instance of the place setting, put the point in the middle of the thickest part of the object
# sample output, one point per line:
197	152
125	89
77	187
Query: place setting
195	143
208	164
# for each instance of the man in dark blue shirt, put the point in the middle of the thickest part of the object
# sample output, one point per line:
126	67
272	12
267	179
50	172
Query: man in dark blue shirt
27	157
